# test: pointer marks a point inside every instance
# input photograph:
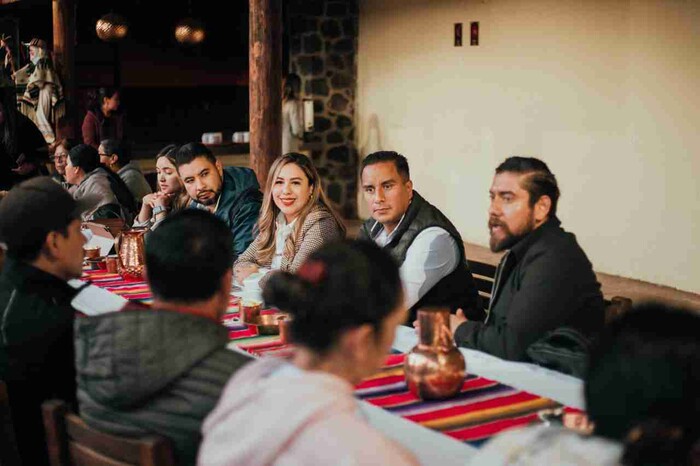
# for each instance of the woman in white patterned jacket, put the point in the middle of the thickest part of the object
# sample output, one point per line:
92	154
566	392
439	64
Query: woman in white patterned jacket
295	220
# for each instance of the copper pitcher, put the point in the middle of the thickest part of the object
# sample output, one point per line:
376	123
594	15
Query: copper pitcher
130	247
434	368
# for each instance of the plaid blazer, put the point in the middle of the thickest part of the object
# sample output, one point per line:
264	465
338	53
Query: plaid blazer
319	227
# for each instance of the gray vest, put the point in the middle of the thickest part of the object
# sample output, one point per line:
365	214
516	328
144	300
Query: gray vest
457	289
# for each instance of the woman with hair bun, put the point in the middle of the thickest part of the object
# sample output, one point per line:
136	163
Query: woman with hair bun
346	301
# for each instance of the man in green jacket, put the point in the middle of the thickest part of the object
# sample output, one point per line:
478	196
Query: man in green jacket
232	193
40	230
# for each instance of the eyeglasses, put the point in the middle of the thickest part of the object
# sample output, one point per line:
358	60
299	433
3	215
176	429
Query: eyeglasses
59	157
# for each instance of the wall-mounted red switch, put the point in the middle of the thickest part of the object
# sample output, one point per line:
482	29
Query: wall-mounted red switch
474	32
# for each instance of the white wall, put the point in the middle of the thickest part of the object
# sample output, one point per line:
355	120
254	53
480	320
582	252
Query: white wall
606	92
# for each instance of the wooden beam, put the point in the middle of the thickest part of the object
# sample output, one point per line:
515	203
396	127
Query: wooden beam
64	54
265	85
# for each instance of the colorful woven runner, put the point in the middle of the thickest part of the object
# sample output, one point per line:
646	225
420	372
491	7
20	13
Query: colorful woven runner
246	336
481	410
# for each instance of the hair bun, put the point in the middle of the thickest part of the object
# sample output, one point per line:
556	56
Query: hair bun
288	292
313	272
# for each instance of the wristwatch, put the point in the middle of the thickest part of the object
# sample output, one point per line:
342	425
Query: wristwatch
158	209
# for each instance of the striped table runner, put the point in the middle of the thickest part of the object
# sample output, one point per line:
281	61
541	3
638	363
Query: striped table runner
482	409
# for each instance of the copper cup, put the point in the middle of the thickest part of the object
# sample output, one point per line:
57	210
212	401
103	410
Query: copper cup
250	312
112	264
91	253
285	322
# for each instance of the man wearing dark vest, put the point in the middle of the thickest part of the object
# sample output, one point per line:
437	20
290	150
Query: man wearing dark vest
423	241
544	281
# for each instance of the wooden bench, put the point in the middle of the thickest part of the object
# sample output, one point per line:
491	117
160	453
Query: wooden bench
484	275
72	442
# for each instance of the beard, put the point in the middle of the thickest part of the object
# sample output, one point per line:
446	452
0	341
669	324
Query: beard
211	201
509	238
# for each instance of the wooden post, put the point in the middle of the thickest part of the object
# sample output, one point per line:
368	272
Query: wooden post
265	85
64	54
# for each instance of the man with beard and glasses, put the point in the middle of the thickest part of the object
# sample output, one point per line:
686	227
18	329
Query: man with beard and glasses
231	193
544	281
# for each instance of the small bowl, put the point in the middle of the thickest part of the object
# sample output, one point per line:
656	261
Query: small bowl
269	324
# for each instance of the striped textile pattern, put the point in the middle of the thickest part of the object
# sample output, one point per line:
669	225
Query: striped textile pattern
482	409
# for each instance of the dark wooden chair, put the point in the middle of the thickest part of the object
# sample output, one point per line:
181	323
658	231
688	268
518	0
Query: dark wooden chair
484	275
9	453
72	442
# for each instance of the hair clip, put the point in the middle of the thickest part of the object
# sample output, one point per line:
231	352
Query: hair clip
312	272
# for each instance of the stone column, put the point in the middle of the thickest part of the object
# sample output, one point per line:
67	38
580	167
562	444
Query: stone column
323	45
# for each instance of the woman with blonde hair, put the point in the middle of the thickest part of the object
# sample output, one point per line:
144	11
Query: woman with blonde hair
296	219
171	195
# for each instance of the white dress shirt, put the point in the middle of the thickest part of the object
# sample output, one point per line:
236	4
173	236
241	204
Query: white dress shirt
431	257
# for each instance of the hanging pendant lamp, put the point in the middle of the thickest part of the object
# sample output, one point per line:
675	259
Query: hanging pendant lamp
189	31
112	27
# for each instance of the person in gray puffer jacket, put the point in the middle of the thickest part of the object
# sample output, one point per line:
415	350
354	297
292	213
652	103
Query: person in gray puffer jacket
110	195
161	370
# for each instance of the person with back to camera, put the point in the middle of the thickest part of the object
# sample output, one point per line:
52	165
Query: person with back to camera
642	397
346	301
90	178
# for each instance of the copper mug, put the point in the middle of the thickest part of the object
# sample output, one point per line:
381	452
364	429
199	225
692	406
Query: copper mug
112	264
285	322
250	311
92	252
131	257
434	368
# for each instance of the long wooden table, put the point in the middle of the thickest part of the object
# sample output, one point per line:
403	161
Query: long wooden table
539	386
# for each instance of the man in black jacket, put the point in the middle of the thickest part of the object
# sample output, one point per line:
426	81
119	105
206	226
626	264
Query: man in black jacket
160	370
40	230
424	242
544	281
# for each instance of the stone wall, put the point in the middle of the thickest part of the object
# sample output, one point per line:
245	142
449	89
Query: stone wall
322	38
